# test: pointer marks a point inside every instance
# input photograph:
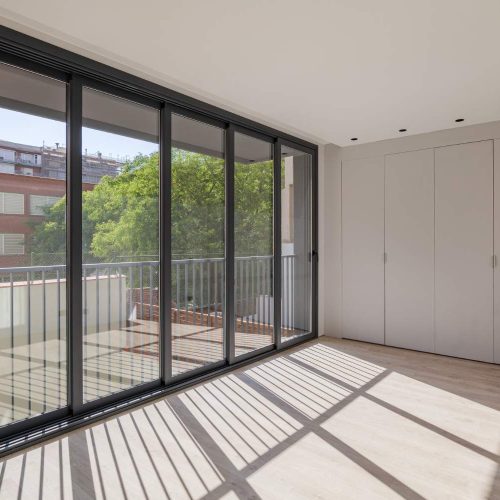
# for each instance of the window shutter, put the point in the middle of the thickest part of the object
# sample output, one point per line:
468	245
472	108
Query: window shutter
11	244
13	203
39	203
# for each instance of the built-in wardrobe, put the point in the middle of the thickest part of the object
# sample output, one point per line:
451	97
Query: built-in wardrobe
419	234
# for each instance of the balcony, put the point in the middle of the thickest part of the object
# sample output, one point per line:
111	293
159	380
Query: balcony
121	322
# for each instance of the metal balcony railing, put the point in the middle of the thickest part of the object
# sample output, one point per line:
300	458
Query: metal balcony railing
120	324
33	309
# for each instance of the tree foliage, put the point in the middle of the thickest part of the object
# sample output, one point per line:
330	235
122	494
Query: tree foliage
121	214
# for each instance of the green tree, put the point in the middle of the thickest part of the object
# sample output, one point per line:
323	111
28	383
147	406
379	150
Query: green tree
197	205
121	214
253	207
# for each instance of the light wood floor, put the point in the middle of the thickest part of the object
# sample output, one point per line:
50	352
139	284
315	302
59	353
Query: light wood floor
330	419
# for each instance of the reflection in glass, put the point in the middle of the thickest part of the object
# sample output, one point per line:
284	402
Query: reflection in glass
32	244
253	225
197	244
296	243
120	233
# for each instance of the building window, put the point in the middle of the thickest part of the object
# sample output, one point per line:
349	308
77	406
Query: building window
12	203
38	204
26	158
11	244
7	155
6	168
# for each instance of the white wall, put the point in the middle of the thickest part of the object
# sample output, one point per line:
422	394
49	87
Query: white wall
330	242
330	208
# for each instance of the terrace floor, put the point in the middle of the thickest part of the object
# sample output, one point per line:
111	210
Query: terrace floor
327	419
33	377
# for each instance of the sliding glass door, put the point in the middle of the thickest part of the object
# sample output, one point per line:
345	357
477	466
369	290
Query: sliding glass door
142	242
33	368
120	244
296	243
253	244
197	244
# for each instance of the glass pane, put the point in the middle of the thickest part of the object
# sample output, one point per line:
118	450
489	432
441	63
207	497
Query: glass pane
120	233
296	243
253	225
197	244
32	244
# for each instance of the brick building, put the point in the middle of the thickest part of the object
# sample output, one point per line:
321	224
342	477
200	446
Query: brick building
23	199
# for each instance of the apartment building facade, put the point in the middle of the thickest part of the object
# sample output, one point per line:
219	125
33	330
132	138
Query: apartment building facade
23	204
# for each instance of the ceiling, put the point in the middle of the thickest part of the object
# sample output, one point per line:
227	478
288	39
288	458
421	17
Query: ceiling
325	70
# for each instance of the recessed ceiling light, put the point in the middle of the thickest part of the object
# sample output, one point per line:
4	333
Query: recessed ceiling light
458	120
402	130
354	138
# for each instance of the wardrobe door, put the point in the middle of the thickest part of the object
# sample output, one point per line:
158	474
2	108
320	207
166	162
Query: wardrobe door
409	245
497	253
464	248
363	250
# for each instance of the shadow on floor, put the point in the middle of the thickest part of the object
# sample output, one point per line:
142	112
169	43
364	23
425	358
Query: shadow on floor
326	420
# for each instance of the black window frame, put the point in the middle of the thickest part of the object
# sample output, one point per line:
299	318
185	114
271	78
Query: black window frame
77	71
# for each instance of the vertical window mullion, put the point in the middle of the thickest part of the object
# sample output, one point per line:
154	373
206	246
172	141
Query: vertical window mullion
74	245
229	249
165	302
277	243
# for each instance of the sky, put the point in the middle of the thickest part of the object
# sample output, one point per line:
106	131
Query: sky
35	131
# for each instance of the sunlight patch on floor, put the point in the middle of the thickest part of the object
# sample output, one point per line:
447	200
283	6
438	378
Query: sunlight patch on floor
316	422
311	468
471	421
348	369
304	390
243	423
425	461
149	453
54	483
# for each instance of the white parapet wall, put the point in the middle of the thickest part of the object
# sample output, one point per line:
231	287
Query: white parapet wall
39	310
